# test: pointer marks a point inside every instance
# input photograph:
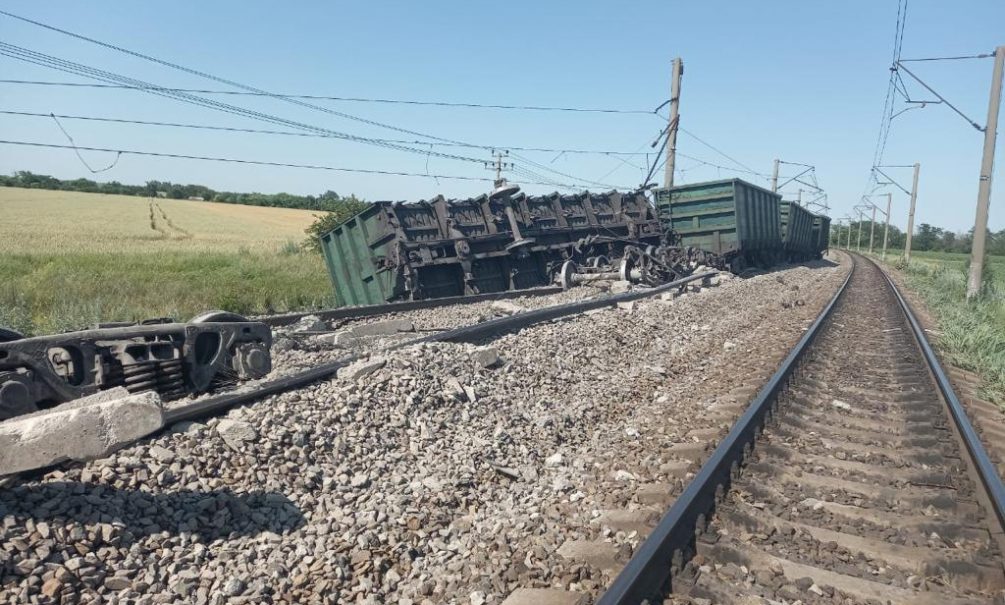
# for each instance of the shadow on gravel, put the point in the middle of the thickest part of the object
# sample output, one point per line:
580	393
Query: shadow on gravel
211	514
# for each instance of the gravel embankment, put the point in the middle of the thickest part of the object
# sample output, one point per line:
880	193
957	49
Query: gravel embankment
431	479
294	350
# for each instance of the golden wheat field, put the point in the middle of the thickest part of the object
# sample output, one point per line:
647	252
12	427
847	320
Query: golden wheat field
35	220
70	259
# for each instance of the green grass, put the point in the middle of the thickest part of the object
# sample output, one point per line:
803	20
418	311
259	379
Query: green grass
972	333
69	260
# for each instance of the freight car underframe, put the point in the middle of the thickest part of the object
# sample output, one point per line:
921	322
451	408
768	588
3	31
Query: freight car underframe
496	263
173	359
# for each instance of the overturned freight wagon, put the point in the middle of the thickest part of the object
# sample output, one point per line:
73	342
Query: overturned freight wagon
799	240
493	243
821	235
730	217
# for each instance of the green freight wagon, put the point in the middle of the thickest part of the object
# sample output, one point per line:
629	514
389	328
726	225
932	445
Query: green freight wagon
821	235
731	217
493	243
799	240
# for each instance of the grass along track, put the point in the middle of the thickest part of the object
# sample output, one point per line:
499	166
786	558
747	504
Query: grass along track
68	259
971	334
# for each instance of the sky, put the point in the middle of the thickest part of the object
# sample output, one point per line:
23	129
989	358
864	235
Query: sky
804	82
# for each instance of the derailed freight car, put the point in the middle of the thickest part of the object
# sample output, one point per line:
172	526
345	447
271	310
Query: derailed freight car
493	243
799	240
821	234
746	224
729	217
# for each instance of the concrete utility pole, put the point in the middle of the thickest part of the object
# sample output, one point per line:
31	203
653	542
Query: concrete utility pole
872	226
858	242
987	167
886	229
910	214
848	247
799	198
672	126
774	178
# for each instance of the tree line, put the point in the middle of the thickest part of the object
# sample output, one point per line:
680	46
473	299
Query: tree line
927	237
327	201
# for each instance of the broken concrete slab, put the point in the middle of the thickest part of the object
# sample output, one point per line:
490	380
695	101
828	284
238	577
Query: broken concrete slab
338	339
85	429
506	307
235	433
361	368
486	357
544	596
387	327
602	555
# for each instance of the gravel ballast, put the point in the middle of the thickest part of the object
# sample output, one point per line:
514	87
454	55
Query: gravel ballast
441	473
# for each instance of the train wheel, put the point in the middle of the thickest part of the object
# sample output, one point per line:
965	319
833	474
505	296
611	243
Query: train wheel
217	316
565	275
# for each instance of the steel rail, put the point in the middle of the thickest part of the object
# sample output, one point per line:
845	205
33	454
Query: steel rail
981	461
650	568
487	329
358	311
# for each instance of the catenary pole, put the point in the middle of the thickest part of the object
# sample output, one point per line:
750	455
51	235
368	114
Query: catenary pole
872	226
858	242
886	228
774	177
674	123
987	167
910	214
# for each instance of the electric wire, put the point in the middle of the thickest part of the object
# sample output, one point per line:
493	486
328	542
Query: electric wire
246	93
37	114
719	151
251	88
80	157
252	162
52	62
981	56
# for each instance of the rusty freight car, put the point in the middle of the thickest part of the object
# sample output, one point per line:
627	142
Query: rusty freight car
492	243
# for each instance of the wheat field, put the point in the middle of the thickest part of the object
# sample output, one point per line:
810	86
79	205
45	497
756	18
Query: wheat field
70	259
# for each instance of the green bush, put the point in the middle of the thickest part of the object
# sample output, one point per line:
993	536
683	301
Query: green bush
339	211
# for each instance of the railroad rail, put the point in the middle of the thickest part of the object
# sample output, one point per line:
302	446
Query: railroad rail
361	311
469	333
853	476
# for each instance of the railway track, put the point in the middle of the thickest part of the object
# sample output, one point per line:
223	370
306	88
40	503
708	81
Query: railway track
467	333
864	482
362	311
398	485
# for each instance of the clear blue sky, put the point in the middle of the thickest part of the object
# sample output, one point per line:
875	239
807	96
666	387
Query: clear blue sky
802	81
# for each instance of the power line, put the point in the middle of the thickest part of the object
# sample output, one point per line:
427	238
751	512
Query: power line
244	86
891	90
253	162
982	56
720	167
77	151
346	99
310	134
719	151
52	62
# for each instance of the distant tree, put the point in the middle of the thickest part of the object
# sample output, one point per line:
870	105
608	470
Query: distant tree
948	241
927	237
